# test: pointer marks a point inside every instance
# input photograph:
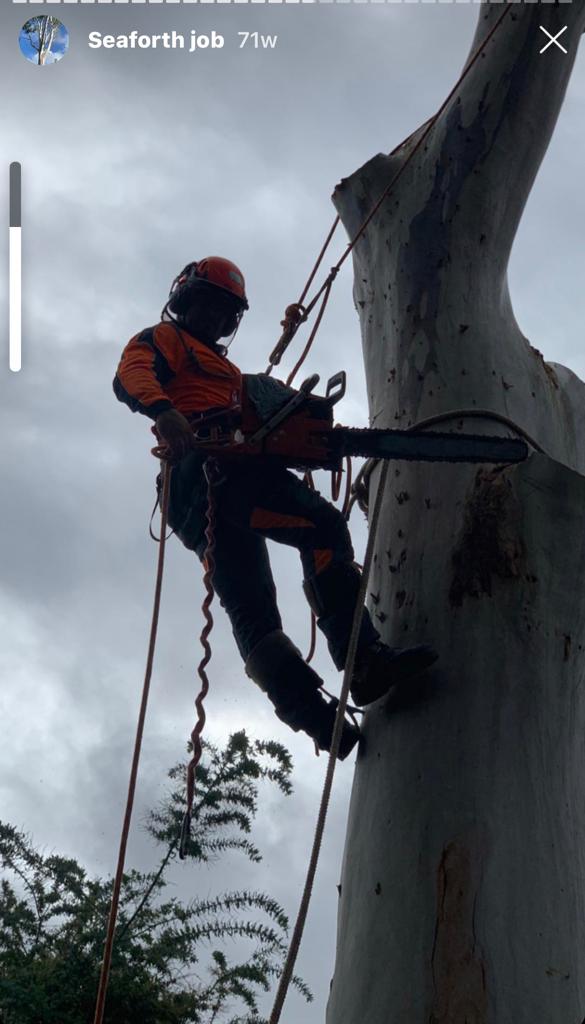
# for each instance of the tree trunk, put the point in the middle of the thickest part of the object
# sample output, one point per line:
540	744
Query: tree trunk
463	886
46	35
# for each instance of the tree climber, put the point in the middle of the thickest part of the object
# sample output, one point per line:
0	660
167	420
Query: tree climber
177	371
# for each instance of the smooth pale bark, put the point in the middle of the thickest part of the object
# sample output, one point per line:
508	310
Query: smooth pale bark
463	886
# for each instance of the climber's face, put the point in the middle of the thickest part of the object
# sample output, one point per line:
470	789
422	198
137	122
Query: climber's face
212	316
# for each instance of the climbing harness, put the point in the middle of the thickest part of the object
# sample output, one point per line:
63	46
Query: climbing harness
295	315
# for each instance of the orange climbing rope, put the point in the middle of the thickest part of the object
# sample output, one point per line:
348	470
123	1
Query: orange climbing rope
211	470
110	932
296	314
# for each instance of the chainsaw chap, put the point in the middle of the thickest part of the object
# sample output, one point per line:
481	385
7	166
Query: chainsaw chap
177	369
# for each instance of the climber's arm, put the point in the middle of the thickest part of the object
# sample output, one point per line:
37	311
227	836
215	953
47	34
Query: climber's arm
142	373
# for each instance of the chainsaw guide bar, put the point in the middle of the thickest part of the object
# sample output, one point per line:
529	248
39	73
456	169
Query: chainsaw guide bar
427	446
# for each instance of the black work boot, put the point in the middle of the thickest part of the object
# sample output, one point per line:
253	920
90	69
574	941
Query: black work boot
332	594
378	668
278	667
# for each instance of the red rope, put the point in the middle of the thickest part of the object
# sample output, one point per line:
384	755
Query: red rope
295	314
211	472
109	943
319	259
313	333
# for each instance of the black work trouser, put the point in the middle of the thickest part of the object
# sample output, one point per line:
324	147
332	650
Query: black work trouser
256	503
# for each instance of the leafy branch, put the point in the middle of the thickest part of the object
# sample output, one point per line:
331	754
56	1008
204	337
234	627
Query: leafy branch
166	967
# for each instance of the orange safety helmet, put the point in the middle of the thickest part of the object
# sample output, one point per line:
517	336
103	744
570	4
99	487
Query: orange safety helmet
213	270
224	274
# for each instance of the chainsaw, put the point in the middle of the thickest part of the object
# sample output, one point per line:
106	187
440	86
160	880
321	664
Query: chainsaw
301	434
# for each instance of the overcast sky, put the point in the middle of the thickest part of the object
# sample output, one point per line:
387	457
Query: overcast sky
135	162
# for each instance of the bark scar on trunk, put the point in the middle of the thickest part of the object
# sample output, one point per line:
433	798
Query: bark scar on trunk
458	969
490	542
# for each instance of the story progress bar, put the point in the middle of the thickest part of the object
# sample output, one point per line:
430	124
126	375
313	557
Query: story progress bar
15	269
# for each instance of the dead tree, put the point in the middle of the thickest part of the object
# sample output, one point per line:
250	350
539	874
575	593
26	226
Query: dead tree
463	885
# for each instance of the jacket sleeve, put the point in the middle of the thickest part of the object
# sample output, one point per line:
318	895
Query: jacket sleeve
143	371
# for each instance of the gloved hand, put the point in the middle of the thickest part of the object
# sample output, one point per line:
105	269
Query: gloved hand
176	432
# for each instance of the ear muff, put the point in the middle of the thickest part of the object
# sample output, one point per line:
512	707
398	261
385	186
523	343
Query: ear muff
183	289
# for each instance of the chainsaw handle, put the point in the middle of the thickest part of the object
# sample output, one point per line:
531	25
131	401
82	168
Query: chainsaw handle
297	400
336	387
310	384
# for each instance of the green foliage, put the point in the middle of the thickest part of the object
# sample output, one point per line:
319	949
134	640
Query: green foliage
167	966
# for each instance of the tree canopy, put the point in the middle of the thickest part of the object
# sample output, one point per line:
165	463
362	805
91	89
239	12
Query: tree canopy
169	963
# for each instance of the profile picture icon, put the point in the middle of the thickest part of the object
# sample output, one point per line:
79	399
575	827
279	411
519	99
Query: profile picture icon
43	40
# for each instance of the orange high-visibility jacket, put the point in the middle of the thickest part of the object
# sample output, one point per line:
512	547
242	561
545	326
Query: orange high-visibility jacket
164	367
